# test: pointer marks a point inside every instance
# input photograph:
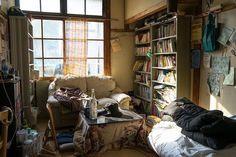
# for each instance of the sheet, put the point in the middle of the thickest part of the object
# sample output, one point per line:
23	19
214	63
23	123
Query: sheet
166	139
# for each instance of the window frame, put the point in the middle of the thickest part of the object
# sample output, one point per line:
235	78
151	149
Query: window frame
63	16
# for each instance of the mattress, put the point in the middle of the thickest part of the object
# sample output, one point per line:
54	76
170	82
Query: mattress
167	140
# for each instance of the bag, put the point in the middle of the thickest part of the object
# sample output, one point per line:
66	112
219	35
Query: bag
15	11
210	35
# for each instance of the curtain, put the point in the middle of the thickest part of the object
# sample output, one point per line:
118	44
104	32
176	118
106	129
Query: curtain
75	47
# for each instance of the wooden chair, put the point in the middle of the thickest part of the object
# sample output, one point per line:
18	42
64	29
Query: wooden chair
50	132
4	132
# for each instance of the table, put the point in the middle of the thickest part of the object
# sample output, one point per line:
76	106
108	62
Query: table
97	136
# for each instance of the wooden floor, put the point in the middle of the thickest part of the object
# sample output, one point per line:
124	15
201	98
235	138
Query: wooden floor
41	125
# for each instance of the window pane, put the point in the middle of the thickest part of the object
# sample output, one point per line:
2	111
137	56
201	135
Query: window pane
94	7
36	28
75	7
95	66
31	5
95	30
53	48
53	67
38	65
37	48
51	6
52	29
95	49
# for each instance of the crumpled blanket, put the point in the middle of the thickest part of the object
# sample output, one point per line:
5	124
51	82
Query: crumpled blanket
209	128
70	98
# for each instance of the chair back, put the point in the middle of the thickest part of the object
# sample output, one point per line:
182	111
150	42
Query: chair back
4	132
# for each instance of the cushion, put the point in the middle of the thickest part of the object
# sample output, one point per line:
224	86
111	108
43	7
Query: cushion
103	86
72	82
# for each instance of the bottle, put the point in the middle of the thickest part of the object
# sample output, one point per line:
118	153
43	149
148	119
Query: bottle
93	106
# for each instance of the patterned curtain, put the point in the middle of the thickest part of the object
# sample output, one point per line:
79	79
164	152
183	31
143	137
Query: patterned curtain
75	47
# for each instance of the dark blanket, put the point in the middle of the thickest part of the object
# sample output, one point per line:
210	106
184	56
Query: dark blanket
70	98
209	128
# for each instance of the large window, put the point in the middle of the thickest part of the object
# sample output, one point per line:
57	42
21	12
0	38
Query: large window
77	7
69	46
79	51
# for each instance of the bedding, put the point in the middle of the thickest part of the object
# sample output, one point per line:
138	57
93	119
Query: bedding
167	140
209	128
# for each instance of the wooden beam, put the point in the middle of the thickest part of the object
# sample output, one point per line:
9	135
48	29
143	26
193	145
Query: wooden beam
152	10
122	30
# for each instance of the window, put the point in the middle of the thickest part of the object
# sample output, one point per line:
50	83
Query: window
41	5
62	45
75	7
79	51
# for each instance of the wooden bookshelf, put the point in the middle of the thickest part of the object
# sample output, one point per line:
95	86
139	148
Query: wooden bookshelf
170	60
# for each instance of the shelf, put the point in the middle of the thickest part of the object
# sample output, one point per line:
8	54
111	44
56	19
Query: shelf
165	21
144	28
165	83
140	55
164	38
146	43
143	72
165	68
145	99
141	83
165	53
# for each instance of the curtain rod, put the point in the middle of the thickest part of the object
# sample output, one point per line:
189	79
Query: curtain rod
73	17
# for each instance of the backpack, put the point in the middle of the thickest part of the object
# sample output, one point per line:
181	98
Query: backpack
15	11
210	35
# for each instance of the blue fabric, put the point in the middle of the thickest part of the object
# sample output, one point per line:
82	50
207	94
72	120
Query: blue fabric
63	138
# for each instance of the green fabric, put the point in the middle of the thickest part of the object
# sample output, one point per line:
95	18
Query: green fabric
210	35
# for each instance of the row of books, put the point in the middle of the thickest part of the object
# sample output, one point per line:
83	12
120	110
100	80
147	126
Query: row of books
144	92
167	77
142	51
141	65
142	38
143	78
165	46
166	61
166	30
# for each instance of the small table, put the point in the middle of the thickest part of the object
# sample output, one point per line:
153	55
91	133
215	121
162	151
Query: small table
108	133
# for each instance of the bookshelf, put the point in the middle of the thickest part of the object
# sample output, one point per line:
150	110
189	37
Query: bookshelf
142	67
170	61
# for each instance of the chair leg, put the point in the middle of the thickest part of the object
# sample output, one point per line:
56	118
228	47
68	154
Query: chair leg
49	135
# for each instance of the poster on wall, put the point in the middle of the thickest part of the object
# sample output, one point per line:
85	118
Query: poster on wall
229	79
220	65
233	39
214	84
225	34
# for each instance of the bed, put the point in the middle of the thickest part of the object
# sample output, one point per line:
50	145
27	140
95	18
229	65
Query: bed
167	140
193	132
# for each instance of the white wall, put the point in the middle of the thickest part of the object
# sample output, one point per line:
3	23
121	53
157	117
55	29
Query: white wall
122	61
226	100
134	7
